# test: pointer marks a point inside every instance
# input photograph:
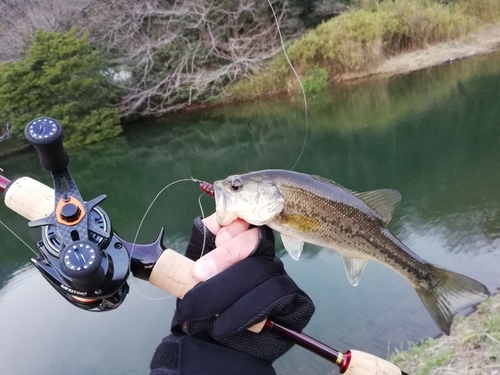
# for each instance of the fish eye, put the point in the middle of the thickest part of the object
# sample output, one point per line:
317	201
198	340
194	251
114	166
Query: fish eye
236	184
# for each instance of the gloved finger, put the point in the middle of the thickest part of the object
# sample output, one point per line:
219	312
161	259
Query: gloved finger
226	255
217	293
265	247
294	310
202	240
277	296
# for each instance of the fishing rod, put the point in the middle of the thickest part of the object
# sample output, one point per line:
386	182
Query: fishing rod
86	262
3	182
173	273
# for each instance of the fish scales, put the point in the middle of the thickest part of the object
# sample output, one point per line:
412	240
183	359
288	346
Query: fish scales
305	208
344	228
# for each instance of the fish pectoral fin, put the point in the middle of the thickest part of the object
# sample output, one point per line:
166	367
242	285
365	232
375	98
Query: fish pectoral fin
383	201
292	245
448	294
354	268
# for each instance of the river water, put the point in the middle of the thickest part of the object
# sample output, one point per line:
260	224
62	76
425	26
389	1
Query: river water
434	135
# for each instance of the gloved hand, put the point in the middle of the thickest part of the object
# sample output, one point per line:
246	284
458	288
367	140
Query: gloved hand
250	290
242	295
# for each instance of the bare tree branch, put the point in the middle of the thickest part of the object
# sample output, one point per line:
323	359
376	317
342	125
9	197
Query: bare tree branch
176	51
5	132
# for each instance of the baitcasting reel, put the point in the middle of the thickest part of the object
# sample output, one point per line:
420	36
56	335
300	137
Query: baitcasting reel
80	255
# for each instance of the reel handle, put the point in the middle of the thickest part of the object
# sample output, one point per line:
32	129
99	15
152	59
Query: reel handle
45	134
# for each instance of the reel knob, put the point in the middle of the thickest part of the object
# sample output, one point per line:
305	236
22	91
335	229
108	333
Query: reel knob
45	134
70	212
81	261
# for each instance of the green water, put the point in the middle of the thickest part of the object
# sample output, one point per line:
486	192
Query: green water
434	135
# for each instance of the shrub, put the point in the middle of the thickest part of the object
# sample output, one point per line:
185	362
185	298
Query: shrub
315	80
61	77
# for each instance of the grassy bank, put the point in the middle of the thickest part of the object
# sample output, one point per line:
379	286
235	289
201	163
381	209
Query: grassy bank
473	348
363	38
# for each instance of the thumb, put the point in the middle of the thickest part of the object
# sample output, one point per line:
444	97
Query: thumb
227	254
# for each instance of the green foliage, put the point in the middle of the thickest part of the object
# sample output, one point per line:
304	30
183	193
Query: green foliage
61	77
315	81
483	10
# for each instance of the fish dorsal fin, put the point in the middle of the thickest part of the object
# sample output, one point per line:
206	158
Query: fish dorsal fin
383	201
292	245
354	268
327	181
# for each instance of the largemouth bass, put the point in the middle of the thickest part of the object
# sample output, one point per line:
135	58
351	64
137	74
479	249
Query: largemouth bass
305	208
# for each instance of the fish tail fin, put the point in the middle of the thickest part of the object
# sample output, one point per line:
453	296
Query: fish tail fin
449	294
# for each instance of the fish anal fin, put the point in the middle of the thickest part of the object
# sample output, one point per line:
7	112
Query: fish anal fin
448	294
292	245
383	201
354	268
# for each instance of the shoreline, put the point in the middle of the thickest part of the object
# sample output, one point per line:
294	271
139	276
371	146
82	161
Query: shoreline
484	41
472	348
481	42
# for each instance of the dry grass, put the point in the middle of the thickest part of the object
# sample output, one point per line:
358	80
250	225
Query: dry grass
473	348
363	39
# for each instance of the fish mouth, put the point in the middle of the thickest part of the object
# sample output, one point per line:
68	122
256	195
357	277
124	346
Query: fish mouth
220	202
222	216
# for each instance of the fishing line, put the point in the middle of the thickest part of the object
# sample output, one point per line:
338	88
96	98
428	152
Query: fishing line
204	227
300	83
198	181
140	226
19	238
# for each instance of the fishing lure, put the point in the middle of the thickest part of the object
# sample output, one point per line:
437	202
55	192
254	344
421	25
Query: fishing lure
207	188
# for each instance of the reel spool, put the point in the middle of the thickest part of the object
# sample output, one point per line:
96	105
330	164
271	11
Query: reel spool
53	241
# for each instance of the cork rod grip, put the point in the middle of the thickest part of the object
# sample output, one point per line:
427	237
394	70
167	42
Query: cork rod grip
367	364
30	198
173	273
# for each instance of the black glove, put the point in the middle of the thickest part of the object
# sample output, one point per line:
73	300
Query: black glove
242	295
185	355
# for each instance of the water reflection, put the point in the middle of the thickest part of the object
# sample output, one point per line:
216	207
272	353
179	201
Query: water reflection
60	339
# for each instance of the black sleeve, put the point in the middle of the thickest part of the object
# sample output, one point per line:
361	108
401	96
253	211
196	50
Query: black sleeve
185	355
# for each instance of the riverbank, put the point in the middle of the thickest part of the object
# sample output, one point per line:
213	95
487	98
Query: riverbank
486	40
473	348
